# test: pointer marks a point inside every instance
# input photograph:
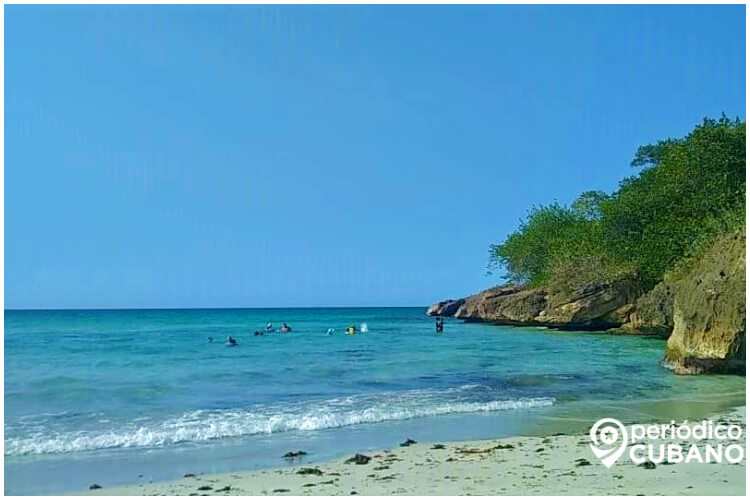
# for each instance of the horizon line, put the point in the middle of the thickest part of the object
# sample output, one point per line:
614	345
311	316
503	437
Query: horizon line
201	308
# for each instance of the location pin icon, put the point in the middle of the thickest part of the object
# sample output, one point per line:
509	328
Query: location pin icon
605	435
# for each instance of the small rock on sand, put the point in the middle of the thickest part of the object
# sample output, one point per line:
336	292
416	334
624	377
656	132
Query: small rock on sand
358	459
310	470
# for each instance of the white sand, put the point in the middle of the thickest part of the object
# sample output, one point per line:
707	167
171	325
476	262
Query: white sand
533	466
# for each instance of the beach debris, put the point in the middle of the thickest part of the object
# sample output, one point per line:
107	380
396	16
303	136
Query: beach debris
225	488
381	467
408	442
438	446
538	450
310	470
189	474
353	493
281	490
205	488
386	478
95	487
581	462
648	464
358	459
473	451
295	454
308	485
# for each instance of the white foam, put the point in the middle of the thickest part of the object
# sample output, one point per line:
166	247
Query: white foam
204	425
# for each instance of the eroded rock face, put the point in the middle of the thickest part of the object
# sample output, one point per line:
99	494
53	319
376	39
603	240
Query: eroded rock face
504	304
590	307
709	312
445	308
652	313
600	306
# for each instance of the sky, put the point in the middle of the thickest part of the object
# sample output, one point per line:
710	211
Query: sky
271	156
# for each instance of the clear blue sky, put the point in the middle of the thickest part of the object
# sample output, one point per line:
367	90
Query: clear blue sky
307	156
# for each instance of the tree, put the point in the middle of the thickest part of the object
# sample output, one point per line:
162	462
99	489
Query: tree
688	190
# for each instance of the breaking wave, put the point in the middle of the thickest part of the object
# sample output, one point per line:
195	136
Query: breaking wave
206	425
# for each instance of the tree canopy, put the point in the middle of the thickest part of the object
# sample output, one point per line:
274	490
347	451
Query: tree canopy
687	191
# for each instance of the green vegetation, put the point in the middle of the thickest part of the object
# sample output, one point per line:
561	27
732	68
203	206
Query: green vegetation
688	191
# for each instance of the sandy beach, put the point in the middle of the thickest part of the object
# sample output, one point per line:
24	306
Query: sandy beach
551	465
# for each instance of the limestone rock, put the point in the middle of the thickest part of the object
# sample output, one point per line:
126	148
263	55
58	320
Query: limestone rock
709	311
652	313
504	304
444	308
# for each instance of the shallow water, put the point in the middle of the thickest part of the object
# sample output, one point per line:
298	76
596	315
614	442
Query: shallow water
108	396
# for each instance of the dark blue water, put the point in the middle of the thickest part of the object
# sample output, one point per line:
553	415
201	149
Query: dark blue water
103	396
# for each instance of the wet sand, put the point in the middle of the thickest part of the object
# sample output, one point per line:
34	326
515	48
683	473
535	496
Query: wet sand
551	465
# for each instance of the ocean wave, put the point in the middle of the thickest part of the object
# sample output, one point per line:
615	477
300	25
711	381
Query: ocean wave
206	425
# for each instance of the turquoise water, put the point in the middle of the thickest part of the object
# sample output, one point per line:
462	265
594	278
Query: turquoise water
134	395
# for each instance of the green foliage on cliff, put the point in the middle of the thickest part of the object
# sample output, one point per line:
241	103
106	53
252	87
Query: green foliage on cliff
688	191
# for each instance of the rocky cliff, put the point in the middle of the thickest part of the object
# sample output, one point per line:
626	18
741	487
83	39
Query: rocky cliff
700	309
709	311
591	307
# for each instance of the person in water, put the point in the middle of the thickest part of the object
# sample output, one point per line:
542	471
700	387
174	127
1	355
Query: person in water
210	340
285	328
231	341
351	330
269	327
257	333
439	324
330	331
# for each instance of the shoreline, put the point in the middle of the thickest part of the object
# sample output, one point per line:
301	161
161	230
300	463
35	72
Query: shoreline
558	464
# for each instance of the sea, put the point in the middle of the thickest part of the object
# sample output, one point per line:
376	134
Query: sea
135	396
